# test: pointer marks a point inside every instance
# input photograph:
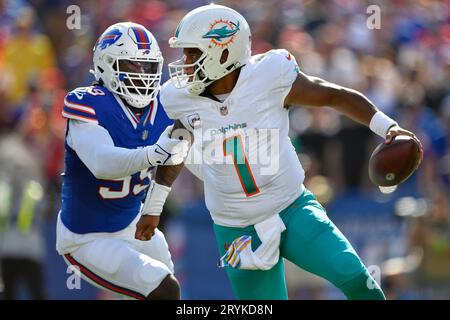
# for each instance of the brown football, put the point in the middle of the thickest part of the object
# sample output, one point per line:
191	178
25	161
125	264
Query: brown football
391	164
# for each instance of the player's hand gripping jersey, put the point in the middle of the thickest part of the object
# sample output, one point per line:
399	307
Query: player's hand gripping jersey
249	166
90	204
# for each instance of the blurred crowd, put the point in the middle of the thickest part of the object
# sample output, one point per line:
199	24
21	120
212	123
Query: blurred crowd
403	67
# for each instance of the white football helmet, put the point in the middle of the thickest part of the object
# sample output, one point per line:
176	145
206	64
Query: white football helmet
212	29
128	60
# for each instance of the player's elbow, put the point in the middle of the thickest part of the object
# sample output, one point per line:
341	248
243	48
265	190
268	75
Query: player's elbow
100	174
102	167
100	171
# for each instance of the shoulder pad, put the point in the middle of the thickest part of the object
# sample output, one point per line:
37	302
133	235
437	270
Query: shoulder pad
170	98
80	104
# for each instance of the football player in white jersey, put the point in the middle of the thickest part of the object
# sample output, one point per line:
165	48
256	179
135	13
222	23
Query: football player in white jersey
235	106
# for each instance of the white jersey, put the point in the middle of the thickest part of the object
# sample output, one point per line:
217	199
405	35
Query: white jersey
249	166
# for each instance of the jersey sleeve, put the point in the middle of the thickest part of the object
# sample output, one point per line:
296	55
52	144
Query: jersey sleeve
95	148
76	107
170	98
160	120
282	64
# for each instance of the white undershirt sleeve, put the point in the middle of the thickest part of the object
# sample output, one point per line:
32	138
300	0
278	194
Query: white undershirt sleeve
95	147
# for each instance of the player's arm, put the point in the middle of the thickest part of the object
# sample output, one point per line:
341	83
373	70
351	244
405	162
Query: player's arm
316	92
154	202
95	147
159	189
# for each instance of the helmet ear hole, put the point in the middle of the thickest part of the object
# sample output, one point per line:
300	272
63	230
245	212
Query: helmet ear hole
224	56
108	59
100	69
114	84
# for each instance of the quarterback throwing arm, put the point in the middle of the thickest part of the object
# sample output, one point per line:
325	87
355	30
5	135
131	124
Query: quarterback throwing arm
316	92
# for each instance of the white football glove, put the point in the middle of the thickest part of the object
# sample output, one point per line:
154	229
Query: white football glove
167	151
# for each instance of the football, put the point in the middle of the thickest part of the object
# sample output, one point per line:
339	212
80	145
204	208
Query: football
391	164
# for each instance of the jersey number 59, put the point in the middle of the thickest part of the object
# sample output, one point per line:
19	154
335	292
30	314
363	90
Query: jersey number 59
108	193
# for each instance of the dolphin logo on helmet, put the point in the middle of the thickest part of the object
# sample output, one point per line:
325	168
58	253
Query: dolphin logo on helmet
222	33
212	29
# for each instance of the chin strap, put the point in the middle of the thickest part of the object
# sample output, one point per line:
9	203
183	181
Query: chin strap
196	88
136	103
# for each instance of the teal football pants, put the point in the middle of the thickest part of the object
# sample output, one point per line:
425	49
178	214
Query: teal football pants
313	243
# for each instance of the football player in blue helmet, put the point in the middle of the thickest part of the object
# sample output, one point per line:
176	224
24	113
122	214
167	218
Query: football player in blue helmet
117	130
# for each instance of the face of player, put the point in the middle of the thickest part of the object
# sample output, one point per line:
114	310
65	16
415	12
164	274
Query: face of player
191	55
138	67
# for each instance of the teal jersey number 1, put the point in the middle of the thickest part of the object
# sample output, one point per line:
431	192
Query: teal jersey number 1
234	147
